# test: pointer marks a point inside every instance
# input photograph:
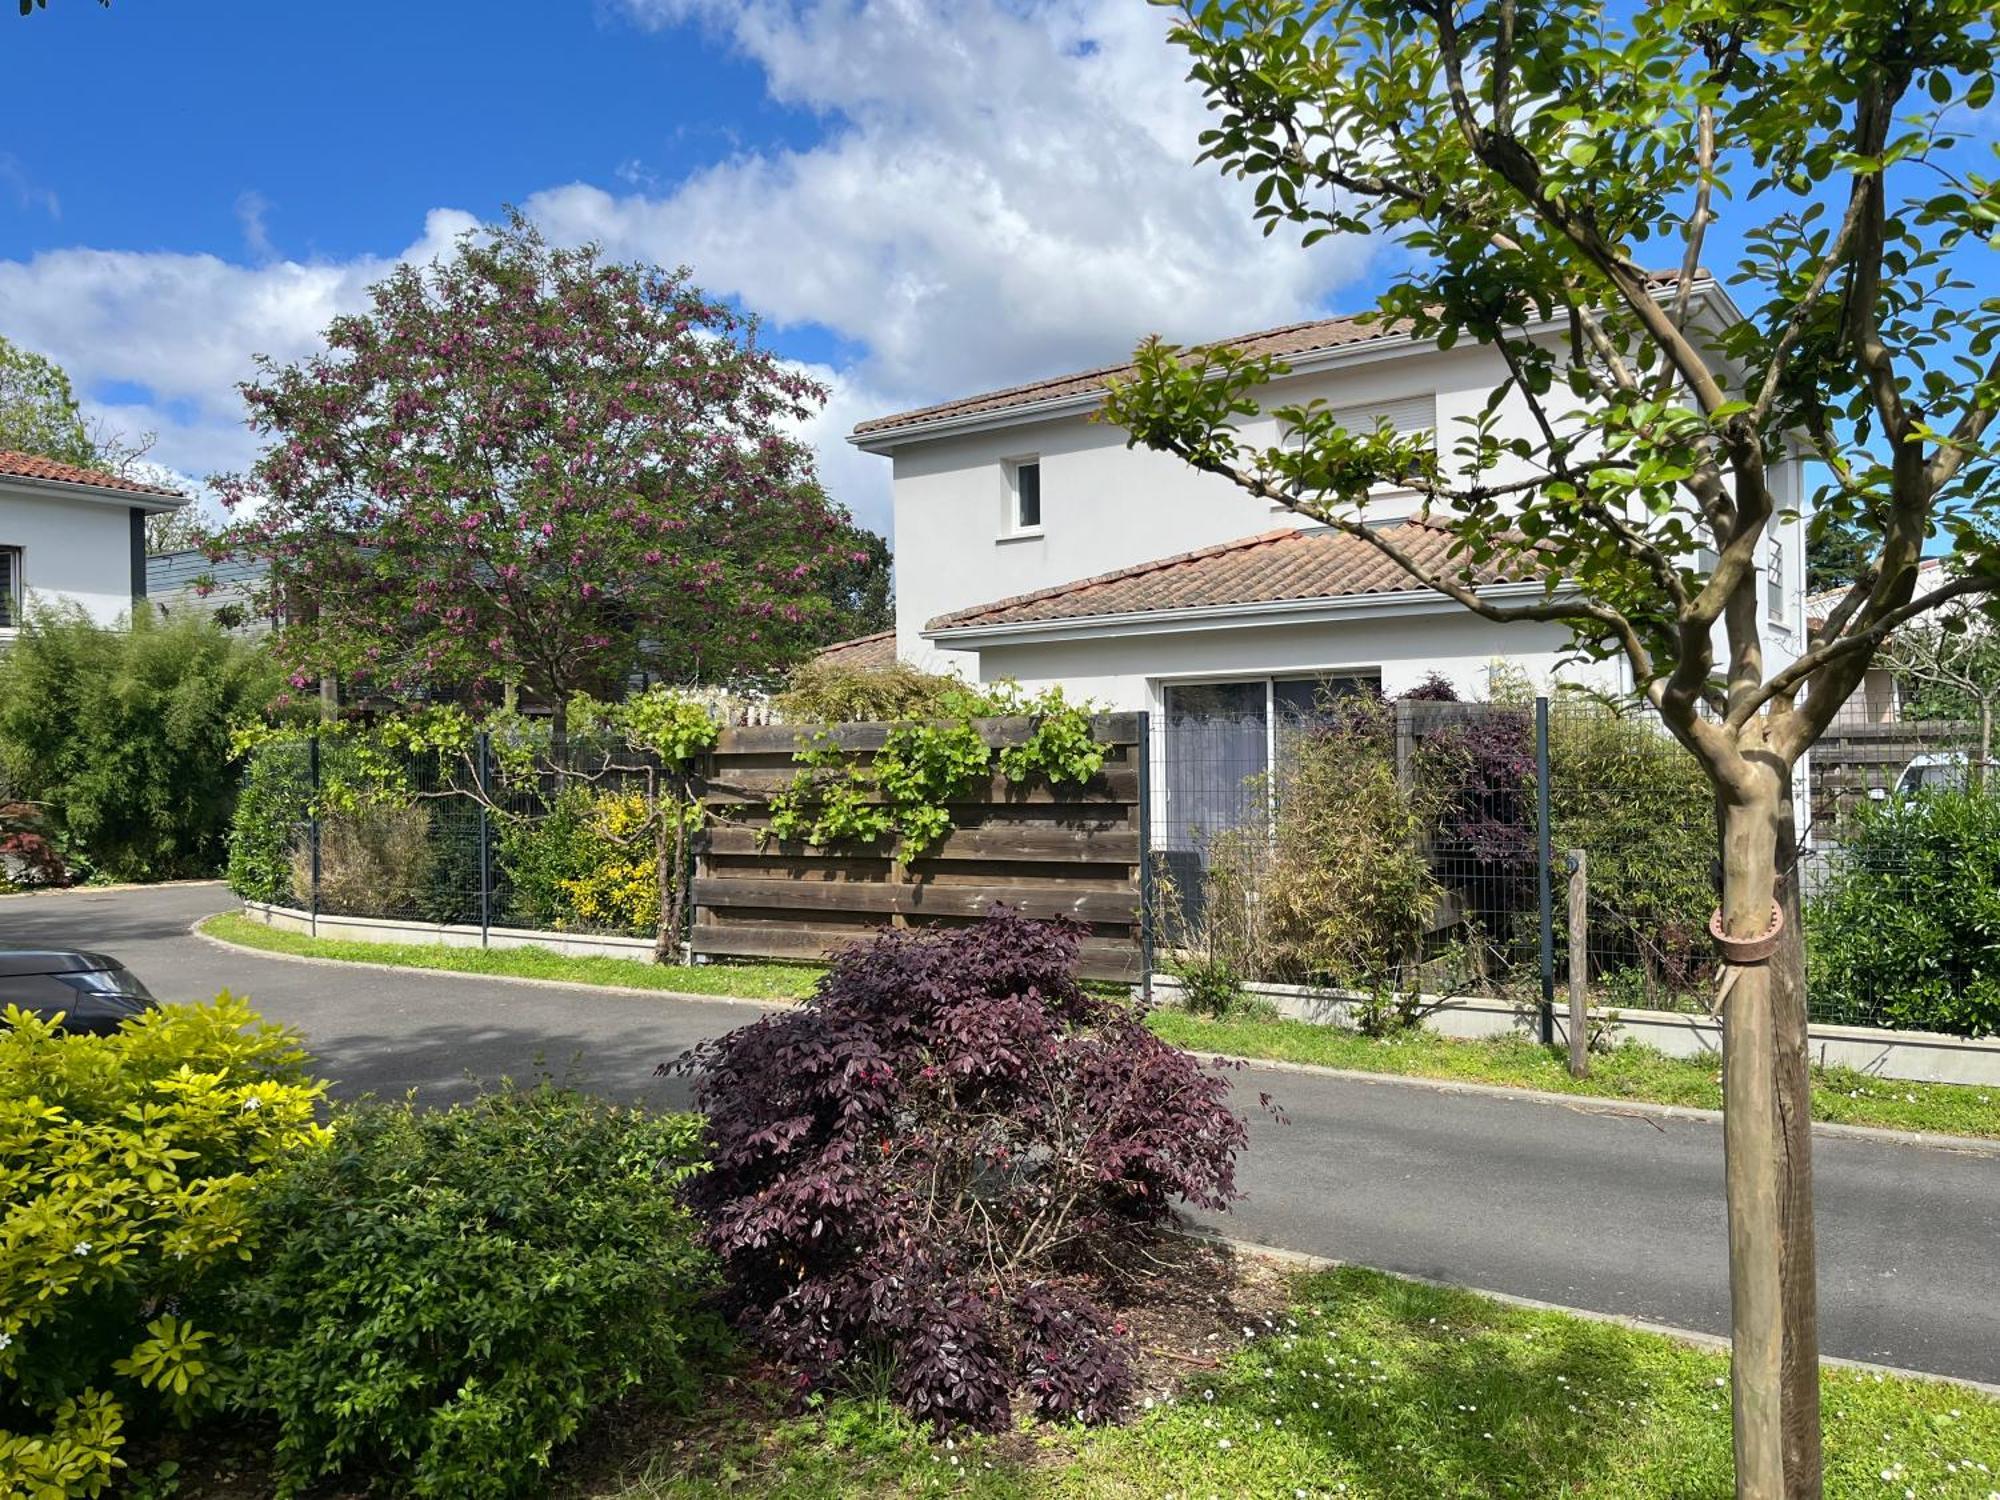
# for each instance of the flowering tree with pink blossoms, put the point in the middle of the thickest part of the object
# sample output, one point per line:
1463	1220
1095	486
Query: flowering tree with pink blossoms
525	466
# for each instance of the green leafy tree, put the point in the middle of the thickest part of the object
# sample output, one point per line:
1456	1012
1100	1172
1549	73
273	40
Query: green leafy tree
38	409
860	590
1837	553
1948	667
1535	161
123	736
525	465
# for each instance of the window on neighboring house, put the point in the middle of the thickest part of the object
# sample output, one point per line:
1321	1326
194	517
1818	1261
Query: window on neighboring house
1028	495
10	587
1409	417
1774	583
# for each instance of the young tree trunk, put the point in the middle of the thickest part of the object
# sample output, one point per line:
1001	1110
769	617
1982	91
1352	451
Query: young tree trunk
1985	744
670	852
1767	1131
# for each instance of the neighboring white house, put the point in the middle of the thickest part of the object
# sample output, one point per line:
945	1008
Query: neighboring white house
1032	543
70	535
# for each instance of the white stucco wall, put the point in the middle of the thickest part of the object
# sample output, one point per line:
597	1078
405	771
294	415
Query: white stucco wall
1129	672
72	549
1105	506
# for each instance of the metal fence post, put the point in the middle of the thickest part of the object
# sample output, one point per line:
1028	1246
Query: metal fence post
1544	858
1145	810
312	833
485	781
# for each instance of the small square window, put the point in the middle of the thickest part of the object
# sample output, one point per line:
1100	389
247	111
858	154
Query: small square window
10	587
1028	496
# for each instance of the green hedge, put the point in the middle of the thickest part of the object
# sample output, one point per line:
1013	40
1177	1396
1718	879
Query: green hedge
1906	930
448	1294
123	735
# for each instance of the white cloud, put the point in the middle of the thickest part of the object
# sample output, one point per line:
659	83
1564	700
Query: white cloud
184	329
1003	192
251	208
1003	189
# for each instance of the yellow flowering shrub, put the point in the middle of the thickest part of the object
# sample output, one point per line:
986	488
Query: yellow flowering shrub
126	1168
622	889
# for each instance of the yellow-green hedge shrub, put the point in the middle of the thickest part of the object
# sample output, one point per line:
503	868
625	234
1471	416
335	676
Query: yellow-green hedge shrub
126	1164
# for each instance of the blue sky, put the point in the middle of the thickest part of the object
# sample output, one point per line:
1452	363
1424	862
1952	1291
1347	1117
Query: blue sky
921	197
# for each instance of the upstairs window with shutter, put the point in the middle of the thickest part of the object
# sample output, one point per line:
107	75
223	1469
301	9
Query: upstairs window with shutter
10	587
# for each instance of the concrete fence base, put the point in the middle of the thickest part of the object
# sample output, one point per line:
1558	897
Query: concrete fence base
1920	1056
450	934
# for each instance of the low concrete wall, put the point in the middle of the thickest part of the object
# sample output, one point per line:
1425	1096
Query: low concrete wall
451	934
1921	1056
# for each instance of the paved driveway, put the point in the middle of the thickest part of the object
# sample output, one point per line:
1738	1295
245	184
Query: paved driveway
1576	1204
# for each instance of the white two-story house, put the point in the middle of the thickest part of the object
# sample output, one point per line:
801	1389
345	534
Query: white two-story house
1031	543
70	535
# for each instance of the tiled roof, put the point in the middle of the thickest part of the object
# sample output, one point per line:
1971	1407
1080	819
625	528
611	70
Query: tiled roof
866	651
1287	342
1293	339
33	466
1321	563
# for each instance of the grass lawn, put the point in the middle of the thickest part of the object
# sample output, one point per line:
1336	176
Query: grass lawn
1371	1387
752	981
1632	1071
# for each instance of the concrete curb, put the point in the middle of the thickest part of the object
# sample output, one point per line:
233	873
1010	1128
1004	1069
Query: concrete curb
1600	1104
1308	1262
194	930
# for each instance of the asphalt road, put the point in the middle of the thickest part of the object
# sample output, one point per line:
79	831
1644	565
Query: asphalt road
1576	1204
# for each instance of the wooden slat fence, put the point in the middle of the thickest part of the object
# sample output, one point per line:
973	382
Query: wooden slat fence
1047	849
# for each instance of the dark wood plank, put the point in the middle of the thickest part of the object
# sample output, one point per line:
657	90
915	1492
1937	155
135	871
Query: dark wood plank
1054	842
1097	958
1111	785
915	899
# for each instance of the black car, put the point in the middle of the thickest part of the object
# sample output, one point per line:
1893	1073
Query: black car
94	992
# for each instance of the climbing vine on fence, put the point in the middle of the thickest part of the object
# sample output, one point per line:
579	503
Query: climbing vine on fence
905	791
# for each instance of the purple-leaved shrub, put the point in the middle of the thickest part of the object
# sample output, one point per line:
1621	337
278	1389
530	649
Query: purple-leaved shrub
934	1160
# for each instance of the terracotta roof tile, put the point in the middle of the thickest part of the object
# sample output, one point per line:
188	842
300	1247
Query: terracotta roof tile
1290	564
869	652
32	466
1292	339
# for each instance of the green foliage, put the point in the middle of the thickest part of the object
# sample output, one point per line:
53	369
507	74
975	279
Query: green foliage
820	691
675	728
446	1295
272	802
1642	808
127	1164
1210	983
38	409
124	735
586	862
1902	932
1340	887
924	765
